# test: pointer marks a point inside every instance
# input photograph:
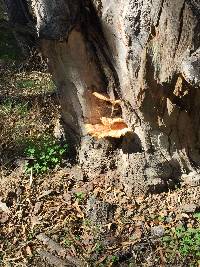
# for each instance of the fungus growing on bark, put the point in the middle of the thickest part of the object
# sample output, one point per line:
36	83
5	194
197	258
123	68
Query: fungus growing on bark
109	127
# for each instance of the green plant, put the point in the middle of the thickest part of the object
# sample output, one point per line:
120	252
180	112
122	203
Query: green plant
98	247
44	154
35	82
161	218
114	259
184	241
87	222
50	86
189	241
197	216
77	237
13	107
79	196
109	261
6	107
68	242
25	84
30	235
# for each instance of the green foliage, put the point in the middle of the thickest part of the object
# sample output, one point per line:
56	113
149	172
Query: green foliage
51	86
79	196
25	84
30	236
161	218
35	82
68	243
184	241
45	153
189	241
114	259
10	106
87	222
109	261
99	247
197	216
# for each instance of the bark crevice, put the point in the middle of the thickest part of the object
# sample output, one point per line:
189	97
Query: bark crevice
181	20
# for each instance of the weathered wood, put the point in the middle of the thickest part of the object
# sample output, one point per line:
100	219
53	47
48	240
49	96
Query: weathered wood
145	53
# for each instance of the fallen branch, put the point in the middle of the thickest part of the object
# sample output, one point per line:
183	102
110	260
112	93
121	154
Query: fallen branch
55	247
53	260
52	245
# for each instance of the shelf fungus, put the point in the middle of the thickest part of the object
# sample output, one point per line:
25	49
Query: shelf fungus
107	99
109	127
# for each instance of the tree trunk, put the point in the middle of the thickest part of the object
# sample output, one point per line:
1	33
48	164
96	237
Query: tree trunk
22	23
144	54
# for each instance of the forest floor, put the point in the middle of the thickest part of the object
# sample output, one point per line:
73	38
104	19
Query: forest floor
55	217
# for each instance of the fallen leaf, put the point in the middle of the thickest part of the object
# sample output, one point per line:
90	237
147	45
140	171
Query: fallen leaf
28	251
4	207
3	217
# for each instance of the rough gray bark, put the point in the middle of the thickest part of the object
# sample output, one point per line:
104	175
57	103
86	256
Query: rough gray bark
145	53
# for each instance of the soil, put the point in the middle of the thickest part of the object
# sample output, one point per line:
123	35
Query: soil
92	223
